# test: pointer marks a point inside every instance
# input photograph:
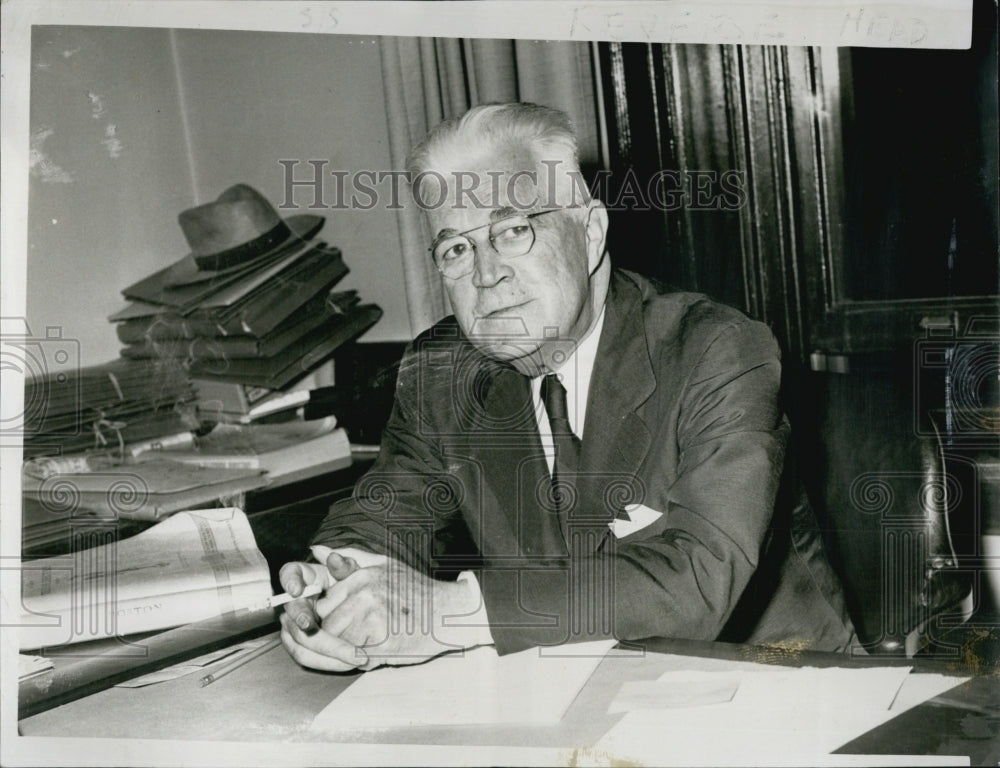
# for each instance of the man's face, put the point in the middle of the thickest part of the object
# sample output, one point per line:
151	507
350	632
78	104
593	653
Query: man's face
523	308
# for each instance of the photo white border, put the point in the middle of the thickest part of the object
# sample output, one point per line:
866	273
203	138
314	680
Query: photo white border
880	23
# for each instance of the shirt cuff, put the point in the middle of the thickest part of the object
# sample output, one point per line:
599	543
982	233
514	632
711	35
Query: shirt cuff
468	629
362	557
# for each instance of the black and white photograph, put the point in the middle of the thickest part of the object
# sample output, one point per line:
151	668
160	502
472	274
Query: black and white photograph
500	383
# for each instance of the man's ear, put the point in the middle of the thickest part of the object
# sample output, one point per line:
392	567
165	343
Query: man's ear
597	233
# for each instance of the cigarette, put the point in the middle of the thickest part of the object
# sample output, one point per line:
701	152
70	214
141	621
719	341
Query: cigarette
310	591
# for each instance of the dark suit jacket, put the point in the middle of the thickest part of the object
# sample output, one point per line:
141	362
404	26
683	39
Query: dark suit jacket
682	417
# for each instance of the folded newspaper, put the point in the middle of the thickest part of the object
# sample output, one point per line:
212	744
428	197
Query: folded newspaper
192	566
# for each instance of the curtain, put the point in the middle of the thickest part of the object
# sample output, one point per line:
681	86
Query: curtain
748	131
428	80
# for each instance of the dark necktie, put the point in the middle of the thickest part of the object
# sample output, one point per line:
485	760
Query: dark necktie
566	443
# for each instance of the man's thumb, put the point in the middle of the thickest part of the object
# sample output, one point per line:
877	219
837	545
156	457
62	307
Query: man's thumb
340	567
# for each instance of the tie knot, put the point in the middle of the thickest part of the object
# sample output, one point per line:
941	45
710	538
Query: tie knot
554	397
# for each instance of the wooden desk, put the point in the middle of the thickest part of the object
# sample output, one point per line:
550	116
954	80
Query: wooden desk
273	699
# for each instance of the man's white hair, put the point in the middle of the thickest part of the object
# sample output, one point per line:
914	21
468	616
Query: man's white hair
493	131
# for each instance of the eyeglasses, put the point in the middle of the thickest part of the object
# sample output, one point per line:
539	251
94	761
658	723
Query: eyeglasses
455	255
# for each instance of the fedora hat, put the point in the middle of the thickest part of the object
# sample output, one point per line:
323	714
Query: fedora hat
238	227
187	272
238	233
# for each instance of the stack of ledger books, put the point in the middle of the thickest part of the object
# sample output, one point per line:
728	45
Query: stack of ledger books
193	566
252	304
104	407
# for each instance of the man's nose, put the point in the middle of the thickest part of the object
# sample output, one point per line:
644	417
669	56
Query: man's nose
490	267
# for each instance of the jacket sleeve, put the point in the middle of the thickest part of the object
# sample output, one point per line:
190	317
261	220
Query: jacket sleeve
683	575
405	500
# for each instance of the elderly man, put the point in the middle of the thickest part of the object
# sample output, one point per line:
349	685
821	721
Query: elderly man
594	456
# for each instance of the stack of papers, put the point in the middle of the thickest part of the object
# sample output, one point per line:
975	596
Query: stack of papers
72	409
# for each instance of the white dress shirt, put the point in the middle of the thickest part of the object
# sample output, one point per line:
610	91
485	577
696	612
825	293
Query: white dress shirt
574	374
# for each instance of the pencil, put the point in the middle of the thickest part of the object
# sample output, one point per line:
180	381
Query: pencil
234	665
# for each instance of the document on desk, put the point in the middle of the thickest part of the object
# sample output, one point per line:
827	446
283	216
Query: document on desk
477	687
192	566
776	715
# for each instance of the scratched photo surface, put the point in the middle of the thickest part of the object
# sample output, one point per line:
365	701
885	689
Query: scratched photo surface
831	176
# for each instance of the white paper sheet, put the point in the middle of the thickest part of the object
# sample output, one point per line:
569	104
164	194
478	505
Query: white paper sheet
778	716
917	689
676	690
477	688
783	688
729	737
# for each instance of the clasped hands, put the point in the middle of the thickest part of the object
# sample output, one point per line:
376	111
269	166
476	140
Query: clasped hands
385	613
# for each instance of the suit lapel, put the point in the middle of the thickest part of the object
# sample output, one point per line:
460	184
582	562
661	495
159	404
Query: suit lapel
501	439
616	440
